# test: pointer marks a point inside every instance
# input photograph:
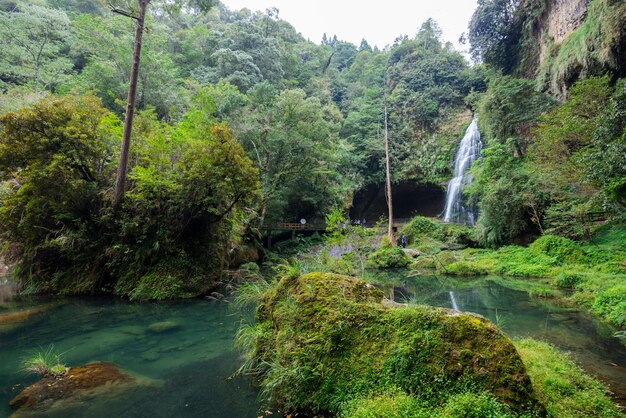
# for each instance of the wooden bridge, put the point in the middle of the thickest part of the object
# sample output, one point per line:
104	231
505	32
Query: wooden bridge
294	227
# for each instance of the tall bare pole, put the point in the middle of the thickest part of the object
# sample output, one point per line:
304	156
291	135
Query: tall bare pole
388	179
120	181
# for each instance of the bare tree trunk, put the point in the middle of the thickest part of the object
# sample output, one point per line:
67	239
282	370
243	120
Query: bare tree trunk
120	181
37	78
388	178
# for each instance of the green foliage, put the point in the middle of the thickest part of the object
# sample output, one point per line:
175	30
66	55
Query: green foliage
387	257
562	386
420	225
611	304
492	34
46	363
561	249
192	193
35	43
508	110
602	163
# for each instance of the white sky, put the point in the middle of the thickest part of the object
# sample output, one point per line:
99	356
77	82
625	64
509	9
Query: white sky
380	22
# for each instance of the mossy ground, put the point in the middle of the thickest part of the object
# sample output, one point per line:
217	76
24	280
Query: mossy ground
565	390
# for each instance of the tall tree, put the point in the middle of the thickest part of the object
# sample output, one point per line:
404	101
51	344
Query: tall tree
34	37
388	179
137	12
139	18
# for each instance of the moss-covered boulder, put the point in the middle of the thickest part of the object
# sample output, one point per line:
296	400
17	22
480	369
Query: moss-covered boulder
322	342
79	384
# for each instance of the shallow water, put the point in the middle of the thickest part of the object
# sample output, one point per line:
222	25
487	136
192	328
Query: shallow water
192	365
589	340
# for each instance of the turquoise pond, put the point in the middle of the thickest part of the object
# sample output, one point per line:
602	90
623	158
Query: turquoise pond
192	365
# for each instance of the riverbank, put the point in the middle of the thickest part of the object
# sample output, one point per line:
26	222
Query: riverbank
589	274
330	338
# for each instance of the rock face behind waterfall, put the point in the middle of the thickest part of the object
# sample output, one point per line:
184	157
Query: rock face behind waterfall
321	340
457	210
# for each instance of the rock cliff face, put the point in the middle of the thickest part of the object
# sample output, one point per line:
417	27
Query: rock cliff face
563	41
561	18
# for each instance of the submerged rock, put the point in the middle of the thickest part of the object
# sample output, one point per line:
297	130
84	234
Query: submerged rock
161	327
11	320
78	384
336	341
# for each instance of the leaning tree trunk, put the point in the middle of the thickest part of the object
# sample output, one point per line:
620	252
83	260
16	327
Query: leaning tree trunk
388	178
120	181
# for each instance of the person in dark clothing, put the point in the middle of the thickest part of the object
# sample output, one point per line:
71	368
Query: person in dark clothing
403	241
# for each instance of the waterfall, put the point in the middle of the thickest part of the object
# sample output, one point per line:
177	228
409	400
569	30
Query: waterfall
469	150
453	301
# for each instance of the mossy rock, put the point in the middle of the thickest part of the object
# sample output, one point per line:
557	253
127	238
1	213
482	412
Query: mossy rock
323	340
388	257
79	383
162	327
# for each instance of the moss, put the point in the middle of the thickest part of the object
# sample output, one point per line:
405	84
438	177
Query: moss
171	278
387	257
465	268
322	340
397	404
562	386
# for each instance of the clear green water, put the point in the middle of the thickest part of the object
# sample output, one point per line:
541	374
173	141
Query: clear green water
589	340
194	363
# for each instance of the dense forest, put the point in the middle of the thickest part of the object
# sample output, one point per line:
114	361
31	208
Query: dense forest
241	124
294	126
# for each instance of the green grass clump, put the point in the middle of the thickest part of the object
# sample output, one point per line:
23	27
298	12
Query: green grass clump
327	344
565	390
46	363
423	226
387	257
561	249
466	268
611	304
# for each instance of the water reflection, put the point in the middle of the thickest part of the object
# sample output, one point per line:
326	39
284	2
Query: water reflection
8	289
589	340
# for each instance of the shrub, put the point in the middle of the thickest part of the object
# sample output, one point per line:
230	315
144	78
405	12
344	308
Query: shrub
569	279
562	249
612	304
422	226
388	257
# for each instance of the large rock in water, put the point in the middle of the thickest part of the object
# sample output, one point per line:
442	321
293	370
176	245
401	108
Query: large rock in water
77	385
322	340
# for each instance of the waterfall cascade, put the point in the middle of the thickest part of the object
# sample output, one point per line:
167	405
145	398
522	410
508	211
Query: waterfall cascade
453	301
469	150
